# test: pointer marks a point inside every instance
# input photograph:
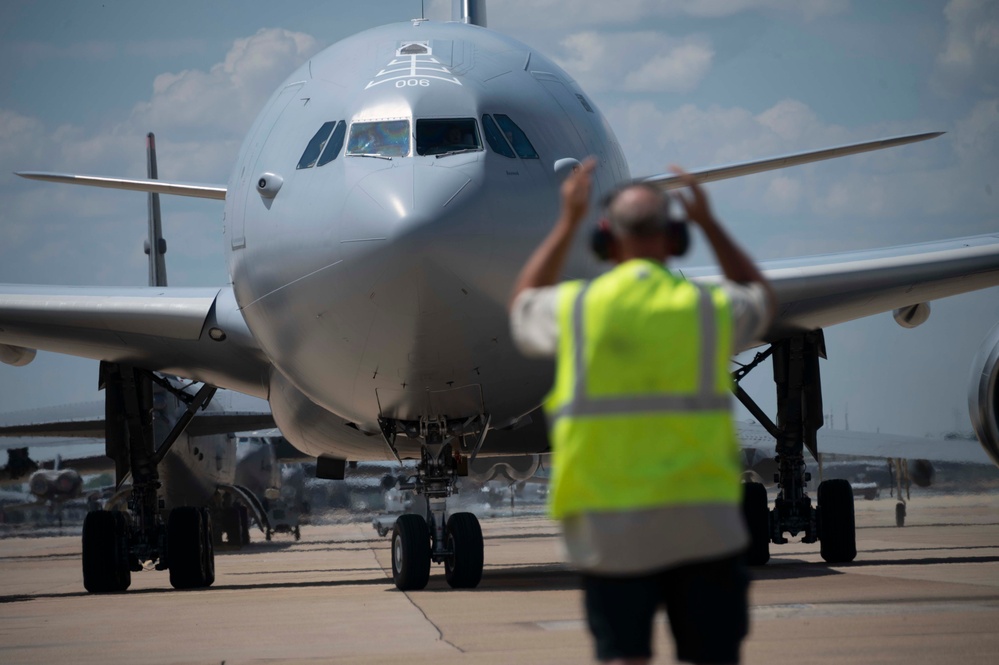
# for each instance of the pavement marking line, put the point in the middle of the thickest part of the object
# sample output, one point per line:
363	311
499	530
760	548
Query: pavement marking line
409	597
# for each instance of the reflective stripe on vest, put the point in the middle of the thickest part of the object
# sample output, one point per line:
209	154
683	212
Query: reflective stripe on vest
706	398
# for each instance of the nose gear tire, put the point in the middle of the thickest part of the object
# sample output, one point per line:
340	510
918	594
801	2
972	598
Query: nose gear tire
410	552
463	568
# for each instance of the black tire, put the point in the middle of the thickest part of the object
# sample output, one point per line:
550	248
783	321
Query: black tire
410	552
105	552
837	529
186	545
899	514
463	569
756	511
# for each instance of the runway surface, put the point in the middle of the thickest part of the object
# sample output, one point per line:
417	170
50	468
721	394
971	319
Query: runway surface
925	593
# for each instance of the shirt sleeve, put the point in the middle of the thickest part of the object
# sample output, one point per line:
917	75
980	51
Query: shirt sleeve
750	312
534	322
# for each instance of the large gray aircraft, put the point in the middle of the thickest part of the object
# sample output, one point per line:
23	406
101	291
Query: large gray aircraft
377	214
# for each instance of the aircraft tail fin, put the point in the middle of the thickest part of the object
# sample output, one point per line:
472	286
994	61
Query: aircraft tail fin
202	191
156	244
668	181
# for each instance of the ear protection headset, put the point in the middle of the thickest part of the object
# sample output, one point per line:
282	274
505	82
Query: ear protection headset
602	237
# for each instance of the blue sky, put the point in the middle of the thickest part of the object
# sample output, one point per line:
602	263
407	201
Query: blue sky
695	82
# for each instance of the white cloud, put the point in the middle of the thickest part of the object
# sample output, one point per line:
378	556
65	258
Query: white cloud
224	99
19	136
783	195
970	55
200	117
635	61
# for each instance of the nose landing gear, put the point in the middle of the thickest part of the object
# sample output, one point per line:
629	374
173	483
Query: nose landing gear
455	540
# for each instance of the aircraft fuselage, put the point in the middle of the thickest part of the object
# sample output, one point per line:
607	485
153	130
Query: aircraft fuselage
374	277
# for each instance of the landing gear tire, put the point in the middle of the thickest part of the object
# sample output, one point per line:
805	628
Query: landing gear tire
191	557
899	514
463	568
410	552
105	552
836	526
756	511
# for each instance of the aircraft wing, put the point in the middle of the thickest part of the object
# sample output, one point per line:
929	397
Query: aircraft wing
667	181
821	291
196	190
157	328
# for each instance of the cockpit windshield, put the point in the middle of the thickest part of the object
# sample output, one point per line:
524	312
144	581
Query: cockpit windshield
384	138
440	136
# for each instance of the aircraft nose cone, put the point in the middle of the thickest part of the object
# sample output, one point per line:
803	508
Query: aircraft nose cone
403	228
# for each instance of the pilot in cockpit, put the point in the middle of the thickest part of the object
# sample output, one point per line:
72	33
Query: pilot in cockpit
458	140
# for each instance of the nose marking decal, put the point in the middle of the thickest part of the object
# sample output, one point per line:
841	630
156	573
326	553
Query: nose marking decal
413	69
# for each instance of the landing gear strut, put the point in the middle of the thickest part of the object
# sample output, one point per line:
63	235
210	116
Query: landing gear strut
455	541
799	417
116	543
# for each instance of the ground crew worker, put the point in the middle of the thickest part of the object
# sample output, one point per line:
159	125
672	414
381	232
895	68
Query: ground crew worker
645	460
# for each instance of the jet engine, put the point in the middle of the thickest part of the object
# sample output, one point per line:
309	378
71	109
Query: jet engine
65	484
983	395
16	355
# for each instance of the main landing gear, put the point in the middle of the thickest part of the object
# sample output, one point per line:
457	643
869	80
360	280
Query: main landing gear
799	416
455	540
117	543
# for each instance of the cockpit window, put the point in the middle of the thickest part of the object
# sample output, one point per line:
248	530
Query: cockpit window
334	145
315	146
518	139
385	138
494	137
446	136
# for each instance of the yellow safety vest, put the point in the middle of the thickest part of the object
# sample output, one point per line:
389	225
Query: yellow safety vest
640	412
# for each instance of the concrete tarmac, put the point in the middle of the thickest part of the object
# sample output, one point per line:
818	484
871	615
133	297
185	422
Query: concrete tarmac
925	593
